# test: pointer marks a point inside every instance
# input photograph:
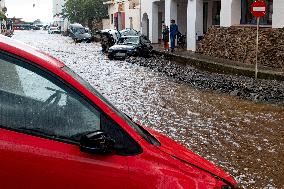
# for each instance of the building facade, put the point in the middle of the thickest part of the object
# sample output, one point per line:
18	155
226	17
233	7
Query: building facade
58	20
2	4
194	17
123	14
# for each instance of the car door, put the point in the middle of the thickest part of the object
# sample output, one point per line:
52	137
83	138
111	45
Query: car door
41	121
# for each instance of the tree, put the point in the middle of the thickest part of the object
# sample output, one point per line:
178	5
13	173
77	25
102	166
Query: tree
2	16
84	11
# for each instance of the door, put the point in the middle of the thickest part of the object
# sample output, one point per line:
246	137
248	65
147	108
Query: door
205	17
41	121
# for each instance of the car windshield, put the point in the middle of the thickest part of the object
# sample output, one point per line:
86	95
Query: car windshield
129	32
80	30
139	129
128	40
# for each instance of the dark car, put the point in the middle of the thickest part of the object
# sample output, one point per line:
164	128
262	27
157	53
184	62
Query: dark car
79	34
130	46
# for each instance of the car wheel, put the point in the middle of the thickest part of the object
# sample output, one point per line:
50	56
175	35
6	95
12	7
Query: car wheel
110	57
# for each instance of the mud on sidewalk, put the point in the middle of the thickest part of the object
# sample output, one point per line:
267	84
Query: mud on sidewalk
258	90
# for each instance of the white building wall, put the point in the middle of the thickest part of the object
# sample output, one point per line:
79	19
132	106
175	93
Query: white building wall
170	11
192	14
146	8
154	22
135	15
230	13
106	24
57	6
112	8
278	14
2	4
57	17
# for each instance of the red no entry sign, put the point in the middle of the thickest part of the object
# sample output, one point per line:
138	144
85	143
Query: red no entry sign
258	8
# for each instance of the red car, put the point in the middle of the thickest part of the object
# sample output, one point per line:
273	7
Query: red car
56	131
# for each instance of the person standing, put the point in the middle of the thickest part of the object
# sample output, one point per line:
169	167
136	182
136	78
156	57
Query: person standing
173	34
166	37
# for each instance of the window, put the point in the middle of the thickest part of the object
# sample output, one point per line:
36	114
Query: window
33	101
111	18
30	101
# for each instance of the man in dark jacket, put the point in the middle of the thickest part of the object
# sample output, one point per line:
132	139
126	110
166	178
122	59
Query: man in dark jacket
173	34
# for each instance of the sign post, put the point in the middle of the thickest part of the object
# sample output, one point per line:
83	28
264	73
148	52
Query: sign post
258	10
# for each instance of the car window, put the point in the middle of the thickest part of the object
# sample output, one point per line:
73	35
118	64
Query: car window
34	101
128	40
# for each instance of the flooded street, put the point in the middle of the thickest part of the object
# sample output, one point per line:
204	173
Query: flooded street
243	137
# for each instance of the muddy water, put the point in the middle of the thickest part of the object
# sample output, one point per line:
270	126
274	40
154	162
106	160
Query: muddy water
244	138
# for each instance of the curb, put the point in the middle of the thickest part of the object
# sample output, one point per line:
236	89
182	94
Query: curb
218	67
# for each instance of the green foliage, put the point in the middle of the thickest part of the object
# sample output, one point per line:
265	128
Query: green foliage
2	16
84	11
4	9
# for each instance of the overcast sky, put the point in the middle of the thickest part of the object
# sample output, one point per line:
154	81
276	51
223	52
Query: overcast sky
24	9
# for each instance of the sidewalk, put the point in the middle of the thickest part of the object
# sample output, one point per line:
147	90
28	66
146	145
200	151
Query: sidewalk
217	65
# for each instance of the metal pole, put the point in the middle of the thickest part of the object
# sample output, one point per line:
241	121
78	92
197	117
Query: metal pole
257	36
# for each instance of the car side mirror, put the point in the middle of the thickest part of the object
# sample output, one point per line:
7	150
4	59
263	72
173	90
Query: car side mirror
97	142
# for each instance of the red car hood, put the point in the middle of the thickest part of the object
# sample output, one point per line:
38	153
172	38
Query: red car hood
176	150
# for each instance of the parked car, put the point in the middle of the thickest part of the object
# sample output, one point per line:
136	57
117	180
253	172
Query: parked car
57	131
79	33
108	38
54	30
130	46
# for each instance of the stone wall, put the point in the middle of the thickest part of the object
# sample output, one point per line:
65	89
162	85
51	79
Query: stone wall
238	44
